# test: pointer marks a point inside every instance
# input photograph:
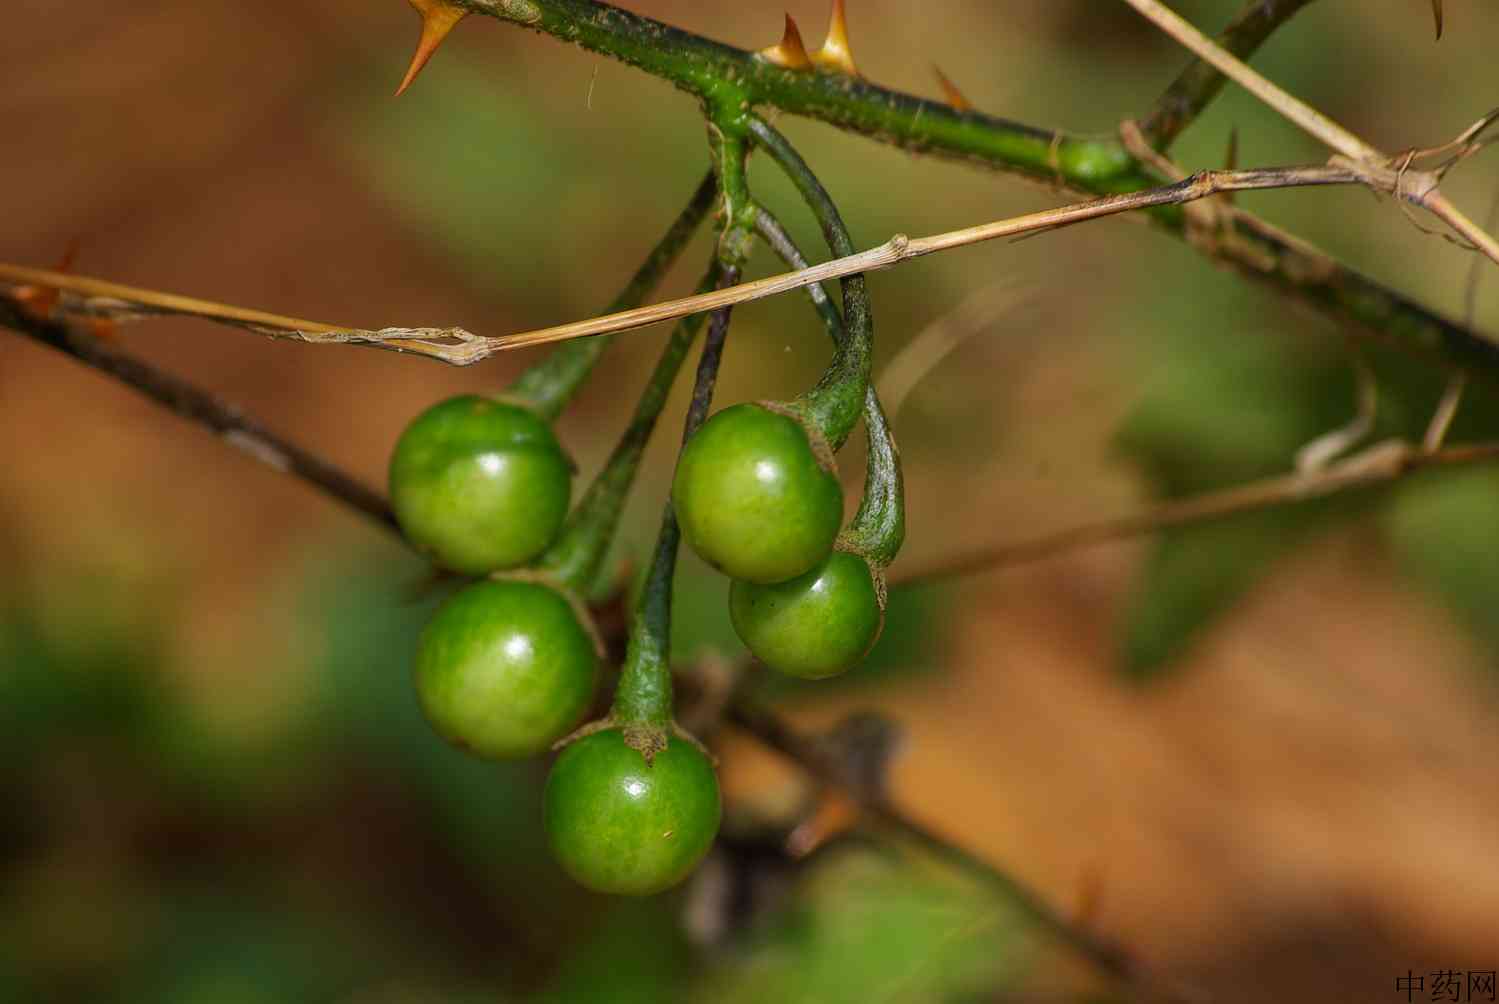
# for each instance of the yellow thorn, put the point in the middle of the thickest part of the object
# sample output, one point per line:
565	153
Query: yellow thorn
789	52
835	52
438	19
950	92
1436	12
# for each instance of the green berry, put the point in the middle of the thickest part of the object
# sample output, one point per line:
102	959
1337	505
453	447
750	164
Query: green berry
815	626
752	499
619	825
506	669
480	484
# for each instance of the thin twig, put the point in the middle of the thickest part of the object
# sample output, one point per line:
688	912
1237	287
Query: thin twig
1457	383
232	425
1201	82
459	347
1380	464
1290	107
91	297
1422	192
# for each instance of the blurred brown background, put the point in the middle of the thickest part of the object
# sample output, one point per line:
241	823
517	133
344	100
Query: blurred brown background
1302	808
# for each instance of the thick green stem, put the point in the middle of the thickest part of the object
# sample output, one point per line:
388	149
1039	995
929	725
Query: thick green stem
644	697
548	386
715	72
578	554
879	527
838	399
1200	82
722	73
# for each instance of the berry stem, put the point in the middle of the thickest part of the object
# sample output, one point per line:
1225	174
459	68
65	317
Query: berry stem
644	696
879	527
838	399
548	386
643	700
578	554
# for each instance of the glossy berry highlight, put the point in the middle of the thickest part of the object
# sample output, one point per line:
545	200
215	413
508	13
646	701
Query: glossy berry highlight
752	499
505	669
815	626
479	484
620	825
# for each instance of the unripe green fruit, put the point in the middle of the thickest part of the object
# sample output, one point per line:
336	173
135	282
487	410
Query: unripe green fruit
479	484
619	825
505	669
817	625
752	499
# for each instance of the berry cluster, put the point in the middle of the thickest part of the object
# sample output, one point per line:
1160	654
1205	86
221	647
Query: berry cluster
509	665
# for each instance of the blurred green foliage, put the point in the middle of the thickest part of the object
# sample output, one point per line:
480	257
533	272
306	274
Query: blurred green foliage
348	854
1208	421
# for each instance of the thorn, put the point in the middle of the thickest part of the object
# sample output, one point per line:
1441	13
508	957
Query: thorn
104	329
789	52
1436	13
40	301
438	19
950	92
834	814
835	52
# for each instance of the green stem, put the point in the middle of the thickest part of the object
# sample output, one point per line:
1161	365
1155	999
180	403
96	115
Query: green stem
578	554
879	527
548	386
837	401
1200	82
644	696
720	73
643	700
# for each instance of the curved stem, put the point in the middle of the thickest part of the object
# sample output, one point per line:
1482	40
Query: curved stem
838	399
578	554
879	527
548	386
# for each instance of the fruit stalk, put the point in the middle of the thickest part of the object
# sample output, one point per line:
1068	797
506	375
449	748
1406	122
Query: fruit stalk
838	399
577	556
879	527
644	696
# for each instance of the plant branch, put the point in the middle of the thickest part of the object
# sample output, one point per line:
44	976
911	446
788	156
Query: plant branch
720	73
1383	312
231	424
1318	125
1201	82
1381	464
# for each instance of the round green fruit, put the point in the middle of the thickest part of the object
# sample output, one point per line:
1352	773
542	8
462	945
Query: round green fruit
480	484
505	669
619	825
817	625
752	499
